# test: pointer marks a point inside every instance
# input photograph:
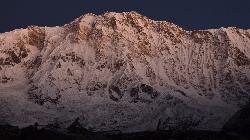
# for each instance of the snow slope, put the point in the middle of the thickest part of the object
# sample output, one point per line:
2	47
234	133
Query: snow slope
123	71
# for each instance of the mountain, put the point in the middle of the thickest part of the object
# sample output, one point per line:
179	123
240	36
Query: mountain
123	71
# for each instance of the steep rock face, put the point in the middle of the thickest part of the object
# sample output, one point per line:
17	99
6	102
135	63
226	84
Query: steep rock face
123	71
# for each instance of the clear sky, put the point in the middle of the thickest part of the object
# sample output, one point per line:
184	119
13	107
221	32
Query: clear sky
190	14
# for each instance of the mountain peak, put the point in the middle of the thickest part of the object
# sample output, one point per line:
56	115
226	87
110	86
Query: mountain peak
123	71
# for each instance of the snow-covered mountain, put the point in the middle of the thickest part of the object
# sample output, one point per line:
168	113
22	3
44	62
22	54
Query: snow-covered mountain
123	71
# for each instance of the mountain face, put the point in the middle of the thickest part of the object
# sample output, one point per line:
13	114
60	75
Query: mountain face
123	71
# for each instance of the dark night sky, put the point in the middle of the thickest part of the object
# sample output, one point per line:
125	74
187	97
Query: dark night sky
190	14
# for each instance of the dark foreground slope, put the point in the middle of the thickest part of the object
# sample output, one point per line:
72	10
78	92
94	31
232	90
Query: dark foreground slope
240	122
30	133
